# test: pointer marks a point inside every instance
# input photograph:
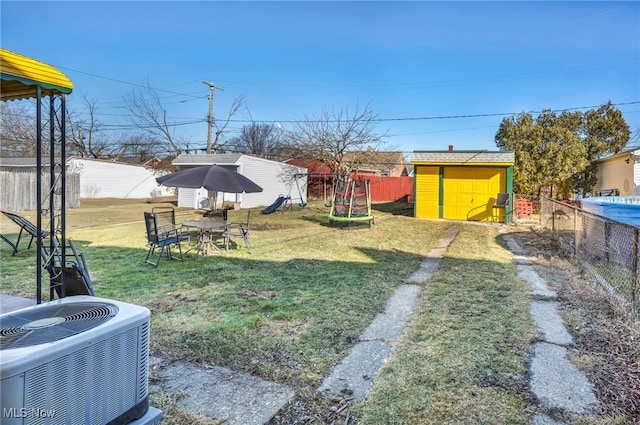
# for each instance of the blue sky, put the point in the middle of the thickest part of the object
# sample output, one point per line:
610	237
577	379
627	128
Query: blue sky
434	73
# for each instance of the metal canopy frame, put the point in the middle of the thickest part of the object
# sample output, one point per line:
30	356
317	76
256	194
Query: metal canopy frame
26	78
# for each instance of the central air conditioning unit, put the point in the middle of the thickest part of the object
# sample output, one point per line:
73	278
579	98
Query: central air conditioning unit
76	360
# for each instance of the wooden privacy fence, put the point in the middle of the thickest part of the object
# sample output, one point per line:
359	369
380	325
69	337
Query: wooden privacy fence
388	189
18	190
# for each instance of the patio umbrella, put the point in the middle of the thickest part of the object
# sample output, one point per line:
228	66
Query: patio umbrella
212	177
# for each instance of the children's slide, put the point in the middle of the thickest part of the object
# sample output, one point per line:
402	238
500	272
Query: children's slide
276	204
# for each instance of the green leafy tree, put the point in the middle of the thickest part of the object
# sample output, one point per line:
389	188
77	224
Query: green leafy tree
605	133
557	151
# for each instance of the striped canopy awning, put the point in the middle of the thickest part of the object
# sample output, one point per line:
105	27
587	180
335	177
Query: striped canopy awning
20	76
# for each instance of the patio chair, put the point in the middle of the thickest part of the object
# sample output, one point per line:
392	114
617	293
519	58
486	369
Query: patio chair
162	238
238	230
166	218
76	274
501	204
25	226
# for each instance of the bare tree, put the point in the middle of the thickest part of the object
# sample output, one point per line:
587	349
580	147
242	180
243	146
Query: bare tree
85	136
148	115
238	103
17	129
140	147
262	140
328	137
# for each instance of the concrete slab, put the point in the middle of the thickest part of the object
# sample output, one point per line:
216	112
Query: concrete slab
425	271
9	303
434	257
218	392
557	383
353	376
513	245
390	324
448	237
152	417
537	284
549	323
519	256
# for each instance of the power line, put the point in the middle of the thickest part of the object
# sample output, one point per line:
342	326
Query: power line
396	119
443	117
130	83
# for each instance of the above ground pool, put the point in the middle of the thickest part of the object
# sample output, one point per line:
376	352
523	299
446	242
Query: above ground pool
625	209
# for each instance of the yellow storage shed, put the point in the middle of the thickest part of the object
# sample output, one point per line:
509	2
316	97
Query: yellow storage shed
462	185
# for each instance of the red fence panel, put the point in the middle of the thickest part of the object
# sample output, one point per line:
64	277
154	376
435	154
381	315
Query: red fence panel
388	189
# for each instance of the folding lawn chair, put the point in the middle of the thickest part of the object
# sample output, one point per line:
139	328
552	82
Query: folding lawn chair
25	226
238	230
161	236
71	278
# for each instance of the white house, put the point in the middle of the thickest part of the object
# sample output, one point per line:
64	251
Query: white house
109	179
620	171
275	178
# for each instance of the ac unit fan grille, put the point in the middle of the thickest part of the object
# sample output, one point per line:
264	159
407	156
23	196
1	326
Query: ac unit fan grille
51	323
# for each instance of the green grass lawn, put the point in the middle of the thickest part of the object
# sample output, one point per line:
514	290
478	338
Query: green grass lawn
295	306
462	358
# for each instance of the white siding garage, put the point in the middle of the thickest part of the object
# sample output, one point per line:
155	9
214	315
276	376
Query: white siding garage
275	178
108	179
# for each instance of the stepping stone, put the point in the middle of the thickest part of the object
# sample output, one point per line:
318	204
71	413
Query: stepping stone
557	383
538	285
353	376
390	324
425	271
218	392
545	315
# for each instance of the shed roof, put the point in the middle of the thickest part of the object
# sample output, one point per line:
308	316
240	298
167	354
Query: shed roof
463	157
20	77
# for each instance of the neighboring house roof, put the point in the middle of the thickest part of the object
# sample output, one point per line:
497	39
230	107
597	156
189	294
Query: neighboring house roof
380	163
462	157
312	166
24	162
632	153
18	162
207	159
410	170
31	161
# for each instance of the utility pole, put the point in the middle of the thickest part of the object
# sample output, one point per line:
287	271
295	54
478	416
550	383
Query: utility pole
210	121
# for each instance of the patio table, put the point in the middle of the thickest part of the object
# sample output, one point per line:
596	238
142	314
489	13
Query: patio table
208	232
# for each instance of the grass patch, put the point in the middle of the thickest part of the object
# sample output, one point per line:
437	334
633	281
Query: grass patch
287	312
463	357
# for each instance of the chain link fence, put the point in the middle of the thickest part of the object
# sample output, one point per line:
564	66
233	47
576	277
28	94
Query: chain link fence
607	248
